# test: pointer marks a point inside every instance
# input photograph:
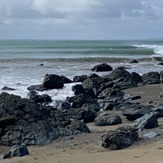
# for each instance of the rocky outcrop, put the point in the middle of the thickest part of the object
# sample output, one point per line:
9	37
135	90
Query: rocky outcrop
31	123
79	78
121	138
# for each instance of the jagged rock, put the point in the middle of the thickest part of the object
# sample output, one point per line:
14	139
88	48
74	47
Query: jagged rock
102	67
147	121
151	78
121	138
158	110
107	119
52	81
79	78
17	150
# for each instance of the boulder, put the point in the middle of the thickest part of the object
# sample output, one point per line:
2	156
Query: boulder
151	78
62	105
121	138
107	119
136	77
102	67
147	121
52	81
17	150
36	88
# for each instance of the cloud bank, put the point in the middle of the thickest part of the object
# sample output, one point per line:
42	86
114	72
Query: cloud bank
82	19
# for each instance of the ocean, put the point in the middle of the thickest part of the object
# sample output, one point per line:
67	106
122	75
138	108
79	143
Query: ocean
20	60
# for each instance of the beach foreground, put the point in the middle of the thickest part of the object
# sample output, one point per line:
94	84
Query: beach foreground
87	147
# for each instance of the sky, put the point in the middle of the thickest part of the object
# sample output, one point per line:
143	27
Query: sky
81	19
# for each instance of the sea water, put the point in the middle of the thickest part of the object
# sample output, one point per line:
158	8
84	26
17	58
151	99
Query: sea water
21	60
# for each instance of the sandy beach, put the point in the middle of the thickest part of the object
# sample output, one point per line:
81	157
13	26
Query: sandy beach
87	147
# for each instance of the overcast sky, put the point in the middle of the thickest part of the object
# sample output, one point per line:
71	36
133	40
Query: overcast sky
81	19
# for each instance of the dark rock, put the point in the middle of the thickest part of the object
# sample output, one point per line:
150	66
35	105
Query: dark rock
147	121
136	77
91	105
107	119
135	111
102	67
88	116
44	98
52	81
79	78
160	63
158	110
78	89
121	138
41	64
17	150
7	89
77	101
66	80
133	61
108	106
151	78
93	83
36	88
109	93
161	76
62	105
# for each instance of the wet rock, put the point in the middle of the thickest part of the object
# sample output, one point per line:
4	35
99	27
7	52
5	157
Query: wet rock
17	150
121	138
78	89
147	121
107	119
62	105
36	88
102	67
151	78
136	77
52	81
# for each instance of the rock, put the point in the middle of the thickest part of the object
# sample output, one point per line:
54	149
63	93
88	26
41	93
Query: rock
79	78
109	93
160	63
52	81
121	138
62	105
151	78
133	61
88	115
107	106
102	67
158	110
66	80
76	101
107	119
136	77
161	76
91	105
93	83
7	89
135	111
36	88
41	64
150	134
44	98
78	89
17	150
147	121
